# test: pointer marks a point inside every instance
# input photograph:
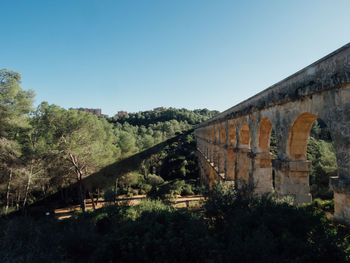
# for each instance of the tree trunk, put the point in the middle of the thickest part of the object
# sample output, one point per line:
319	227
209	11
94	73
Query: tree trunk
18	199
79	174
8	192
115	190
92	200
81	194
27	189
98	195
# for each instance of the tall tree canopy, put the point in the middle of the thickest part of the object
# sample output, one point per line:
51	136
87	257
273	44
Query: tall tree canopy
15	105
78	140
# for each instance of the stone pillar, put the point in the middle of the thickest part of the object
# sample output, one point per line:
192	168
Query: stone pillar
242	165
211	155
206	171
215	156
230	164
262	172
292	179
202	172
207	145
199	145
341	188
221	162
341	184
211	178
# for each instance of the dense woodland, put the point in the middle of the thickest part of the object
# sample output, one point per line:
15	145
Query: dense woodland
45	150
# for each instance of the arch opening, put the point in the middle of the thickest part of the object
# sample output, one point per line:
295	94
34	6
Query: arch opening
244	135
310	141
273	151
265	128
262	162
321	152
298	136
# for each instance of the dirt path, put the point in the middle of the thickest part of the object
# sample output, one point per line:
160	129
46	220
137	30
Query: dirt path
179	202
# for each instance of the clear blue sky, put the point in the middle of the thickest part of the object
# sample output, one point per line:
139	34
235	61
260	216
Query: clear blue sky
137	55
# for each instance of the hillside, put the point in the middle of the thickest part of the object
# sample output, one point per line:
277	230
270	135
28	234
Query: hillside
45	151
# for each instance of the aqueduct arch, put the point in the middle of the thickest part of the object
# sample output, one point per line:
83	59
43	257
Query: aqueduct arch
298	136
234	145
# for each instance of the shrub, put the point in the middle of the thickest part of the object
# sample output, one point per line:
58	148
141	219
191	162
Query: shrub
187	190
109	195
259	229
131	179
24	239
159	235
145	188
176	187
324	205
154	180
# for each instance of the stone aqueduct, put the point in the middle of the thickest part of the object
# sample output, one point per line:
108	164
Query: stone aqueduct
234	145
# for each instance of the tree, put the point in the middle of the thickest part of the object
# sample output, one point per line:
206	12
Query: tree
15	105
126	143
9	155
79	141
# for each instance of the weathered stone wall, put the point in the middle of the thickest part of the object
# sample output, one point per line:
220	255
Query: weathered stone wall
235	144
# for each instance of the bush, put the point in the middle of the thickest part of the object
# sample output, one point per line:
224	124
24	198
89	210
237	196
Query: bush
252	229
145	188
160	191
324	205
154	180
109	195
131	179
24	239
187	190
160	235
234	226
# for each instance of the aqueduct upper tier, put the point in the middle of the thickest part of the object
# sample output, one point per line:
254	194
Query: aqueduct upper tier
234	145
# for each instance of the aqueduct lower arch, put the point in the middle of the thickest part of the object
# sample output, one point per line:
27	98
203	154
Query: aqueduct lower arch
234	145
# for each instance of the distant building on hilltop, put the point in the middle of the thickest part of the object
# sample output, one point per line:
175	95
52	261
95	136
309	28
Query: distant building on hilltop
121	113
160	108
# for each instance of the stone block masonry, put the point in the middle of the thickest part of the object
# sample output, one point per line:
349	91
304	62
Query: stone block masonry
234	145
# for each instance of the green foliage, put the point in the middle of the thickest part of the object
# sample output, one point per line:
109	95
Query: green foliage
324	165
168	172
126	143
145	188
109	195
320	131
148	118
154	180
160	236
131	179
50	148
170	189
324	205
15	104
261	230
187	190
234	226
273	144
139	131
24	239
